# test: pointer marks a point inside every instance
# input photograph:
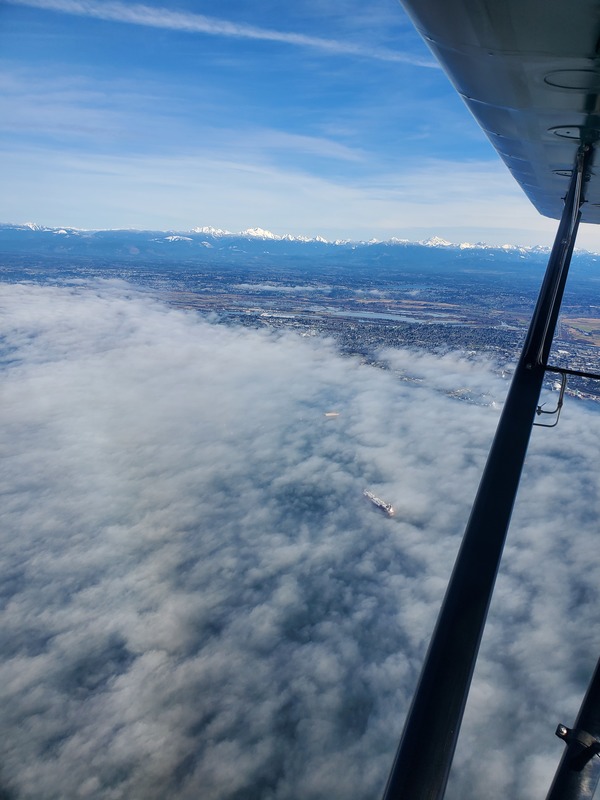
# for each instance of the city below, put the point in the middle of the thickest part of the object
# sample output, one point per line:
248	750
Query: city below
366	296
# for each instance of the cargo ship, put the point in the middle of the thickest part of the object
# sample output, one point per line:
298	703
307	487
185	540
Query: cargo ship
379	503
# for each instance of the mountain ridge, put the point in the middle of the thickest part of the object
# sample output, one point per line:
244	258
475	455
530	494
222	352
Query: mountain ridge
258	234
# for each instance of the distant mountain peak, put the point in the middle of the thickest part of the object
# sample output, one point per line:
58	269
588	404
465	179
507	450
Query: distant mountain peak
210	231
436	241
260	233
475	246
257	233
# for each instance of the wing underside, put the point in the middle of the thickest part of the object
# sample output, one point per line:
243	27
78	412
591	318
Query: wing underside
529	71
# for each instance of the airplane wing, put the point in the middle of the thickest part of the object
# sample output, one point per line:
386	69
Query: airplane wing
529	71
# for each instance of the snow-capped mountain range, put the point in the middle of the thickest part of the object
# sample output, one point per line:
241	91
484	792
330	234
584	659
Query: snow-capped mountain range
255	234
210	248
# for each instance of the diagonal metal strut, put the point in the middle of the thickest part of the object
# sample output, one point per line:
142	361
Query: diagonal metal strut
424	756
578	773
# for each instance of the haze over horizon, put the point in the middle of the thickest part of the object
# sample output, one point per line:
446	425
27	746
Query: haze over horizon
311	120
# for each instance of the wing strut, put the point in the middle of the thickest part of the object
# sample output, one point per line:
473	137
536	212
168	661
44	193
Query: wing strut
422	763
579	769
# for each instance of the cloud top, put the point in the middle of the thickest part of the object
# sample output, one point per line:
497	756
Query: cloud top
198	600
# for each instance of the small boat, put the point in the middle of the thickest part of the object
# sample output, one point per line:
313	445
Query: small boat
379	503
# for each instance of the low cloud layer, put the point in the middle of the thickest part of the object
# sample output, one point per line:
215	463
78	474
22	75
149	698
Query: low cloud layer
199	602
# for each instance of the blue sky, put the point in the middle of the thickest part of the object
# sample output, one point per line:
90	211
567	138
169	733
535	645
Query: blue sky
303	118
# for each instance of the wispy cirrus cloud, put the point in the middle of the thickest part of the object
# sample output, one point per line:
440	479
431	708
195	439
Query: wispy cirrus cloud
139	14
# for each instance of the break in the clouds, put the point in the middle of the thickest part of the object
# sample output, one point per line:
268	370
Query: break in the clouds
197	600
